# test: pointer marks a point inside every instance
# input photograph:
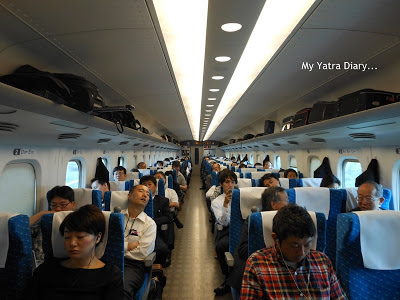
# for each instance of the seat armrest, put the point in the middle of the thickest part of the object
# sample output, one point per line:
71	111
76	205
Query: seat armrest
230	261
149	260
164	227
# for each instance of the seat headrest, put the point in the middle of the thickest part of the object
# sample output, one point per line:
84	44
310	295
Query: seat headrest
119	198
244	182
284	183
249	197
311	182
82	197
4	237
117	186
316	199
132	175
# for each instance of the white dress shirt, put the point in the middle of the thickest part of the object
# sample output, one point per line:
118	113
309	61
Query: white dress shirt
171	195
222	214
141	229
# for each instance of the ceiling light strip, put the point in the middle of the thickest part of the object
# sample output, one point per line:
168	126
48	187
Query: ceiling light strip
277	20
184	25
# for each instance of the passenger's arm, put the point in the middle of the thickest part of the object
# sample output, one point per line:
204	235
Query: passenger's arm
146	243
222	214
251	288
38	216
183	187
335	287
166	216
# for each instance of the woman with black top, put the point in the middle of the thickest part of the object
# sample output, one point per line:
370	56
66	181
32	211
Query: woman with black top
82	275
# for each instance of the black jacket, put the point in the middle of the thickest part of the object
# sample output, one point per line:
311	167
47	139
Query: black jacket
161	212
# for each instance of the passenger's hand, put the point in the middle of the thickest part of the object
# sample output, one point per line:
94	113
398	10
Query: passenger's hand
228	198
132	245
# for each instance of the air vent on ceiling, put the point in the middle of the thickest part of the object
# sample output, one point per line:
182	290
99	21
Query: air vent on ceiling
152	146
124	143
249	147
8	127
362	136
145	145
137	144
276	144
317	133
264	145
69	136
157	147
293	142
109	133
68	124
318	140
103	141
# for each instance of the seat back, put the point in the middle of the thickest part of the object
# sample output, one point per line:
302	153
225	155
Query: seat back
242	201
309	182
336	204
258	174
214	178
83	197
16	259
120	185
358	281
258	232
120	199
132	175
245	182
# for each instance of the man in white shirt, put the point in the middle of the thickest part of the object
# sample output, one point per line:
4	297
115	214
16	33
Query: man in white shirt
180	178
139	239
221	207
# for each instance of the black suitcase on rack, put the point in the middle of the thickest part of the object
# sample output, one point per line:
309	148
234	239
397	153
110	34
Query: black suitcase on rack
323	110
301	117
365	99
287	123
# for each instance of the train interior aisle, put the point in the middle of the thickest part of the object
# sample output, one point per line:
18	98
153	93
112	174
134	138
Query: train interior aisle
194	273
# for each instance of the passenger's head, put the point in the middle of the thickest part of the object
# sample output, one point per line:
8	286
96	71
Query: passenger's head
233	164
290	173
100	185
206	158
141	165
150	182
233	158
330	181
216	167
160	164
119	173
160	175
139	196
166	159
227	179
269	180
257	165
370	196
176	165
83	230
61	198
294	232
268	165
242	165
274	198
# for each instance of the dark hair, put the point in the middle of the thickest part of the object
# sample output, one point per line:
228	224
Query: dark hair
160	162
146	178
328	180
135	170
138	165
271	194
162	173
176	163
167	173
101	182
226	174
166	159
64	192
285	174
377	186
119	168
293	220
88	218
257	164
266	177
242	165
233	158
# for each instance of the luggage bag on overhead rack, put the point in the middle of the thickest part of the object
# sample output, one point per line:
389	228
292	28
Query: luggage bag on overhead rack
301	117
323	110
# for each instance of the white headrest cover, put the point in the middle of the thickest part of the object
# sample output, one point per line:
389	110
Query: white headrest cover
284	182
132	175
267	220
249	197
4	237
144	171
57	239
258	175
247	170
351	201
117	186
379	239
119	198
314	199
244	182
237	174
82	197
311	182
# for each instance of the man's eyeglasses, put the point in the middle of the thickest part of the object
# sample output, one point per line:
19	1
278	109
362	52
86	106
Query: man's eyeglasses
367	200
61	205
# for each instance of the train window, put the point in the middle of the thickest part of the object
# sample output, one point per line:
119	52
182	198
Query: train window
277	162
73	177
251	159
314	164
351	169
121	161
105	161
293	162
134	161
258	158
18	189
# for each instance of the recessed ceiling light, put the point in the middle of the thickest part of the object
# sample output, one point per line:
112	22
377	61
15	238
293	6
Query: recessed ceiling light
212	99
207	115
217	77
222	58
208	110
214	90
231	27
209	105
206	118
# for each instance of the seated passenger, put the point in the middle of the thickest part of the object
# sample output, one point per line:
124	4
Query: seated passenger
61	198
290	174
234	164
119	173
161	215
369	196
242	165
82	275
269	179
267	164
140	237
330	181
160	164
273	198
221	207
100	185
215	168
141	165
172	196
180	178
290	269
258	165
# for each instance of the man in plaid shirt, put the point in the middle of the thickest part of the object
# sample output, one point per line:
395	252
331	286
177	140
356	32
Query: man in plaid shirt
291	269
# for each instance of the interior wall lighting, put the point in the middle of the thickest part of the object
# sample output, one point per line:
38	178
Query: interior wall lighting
217	77
214	90
277	20
186	50
222	58
231	27
210	105
212	99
